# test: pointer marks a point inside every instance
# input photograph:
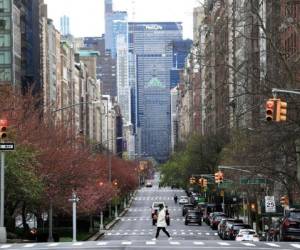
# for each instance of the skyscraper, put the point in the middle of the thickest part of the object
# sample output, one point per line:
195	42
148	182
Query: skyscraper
150	46
111	17
65	25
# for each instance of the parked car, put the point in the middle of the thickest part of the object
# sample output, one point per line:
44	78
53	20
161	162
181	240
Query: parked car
222	225
232	230
216	220
212	215
193	216
247	235
183	200
187	207
154	212
148	183
290	226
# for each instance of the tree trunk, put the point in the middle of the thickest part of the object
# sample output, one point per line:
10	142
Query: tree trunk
24	222
50	235
91	224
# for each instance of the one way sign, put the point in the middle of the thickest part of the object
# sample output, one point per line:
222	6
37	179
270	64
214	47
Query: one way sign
6	146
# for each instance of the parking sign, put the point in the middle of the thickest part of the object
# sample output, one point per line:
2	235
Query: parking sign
270	204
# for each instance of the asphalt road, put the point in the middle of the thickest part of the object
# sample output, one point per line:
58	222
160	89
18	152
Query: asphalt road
137	222
135	230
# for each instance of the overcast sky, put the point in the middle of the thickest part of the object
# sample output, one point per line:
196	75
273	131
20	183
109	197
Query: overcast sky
87	17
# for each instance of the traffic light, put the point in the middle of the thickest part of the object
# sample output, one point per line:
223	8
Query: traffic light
271	110
192	180
115	183
201	181
204	183
221	176
3	128
284	201
217	179
281	111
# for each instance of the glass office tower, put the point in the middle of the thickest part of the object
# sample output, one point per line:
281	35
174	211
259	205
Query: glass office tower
150	46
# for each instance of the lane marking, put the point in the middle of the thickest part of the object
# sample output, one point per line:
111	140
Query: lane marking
77	244
126	243
174	243
249	245
207	233
30	245
101	243
295	245
272	245
223	243
198	243
6	246
52	244
150	242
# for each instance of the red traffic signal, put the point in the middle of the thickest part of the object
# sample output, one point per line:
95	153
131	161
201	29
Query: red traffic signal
3	128
270	110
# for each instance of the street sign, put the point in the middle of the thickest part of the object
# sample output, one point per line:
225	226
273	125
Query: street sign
6	146
201	200
253	181
270	204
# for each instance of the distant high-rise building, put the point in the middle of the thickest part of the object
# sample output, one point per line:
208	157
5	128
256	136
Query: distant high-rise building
111	17
151	59
106	65
65	25
181	49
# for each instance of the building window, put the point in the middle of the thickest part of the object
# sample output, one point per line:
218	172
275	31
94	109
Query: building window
5	6
4	40
5	74
5	23
5	57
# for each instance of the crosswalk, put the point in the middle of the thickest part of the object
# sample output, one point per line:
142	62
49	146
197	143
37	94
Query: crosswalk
176	243
146	219
170	209
161	190
153	198
175	232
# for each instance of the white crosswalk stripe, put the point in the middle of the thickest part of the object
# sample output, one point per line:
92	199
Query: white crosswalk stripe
6	246
249	244
126	243
102	243
174	242
223	244
198	243
53	244
29	245
77	244
272	245
150	242
295	245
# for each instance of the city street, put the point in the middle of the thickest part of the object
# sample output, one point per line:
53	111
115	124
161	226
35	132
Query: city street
137	223
135	230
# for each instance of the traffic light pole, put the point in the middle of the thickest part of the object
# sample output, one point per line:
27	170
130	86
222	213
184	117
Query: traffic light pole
2	228
297	141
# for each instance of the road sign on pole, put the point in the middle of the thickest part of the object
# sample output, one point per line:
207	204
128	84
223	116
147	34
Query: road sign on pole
270	204
6	146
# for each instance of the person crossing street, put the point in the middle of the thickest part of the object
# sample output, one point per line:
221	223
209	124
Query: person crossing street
161	222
